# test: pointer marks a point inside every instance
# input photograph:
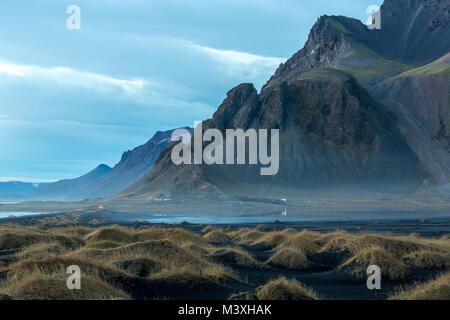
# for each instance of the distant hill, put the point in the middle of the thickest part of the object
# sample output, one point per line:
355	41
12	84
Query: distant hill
63	189
16	190
133	165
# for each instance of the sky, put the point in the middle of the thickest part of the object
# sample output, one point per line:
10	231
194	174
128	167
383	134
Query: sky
71	99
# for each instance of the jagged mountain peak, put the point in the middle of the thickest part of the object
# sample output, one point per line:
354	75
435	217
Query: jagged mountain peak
327	43
413	33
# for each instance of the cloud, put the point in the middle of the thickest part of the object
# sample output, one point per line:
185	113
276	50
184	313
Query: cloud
238	63
72	77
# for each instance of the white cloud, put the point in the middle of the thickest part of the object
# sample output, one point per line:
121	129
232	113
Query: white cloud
72	77
238	63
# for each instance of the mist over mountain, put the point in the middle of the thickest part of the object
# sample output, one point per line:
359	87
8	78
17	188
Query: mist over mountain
16	190
63	189
357	109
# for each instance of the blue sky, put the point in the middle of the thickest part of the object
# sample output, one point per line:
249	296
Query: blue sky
72	99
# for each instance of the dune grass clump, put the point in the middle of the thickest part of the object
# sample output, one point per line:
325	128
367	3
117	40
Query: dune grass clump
427	260
139	267
103	244
161	250
41	251
273	239
180	237
390	266
217	237
186	278
10	241
288	258
235	258
37	286
283	289
246	236
303	243
115	233
437	289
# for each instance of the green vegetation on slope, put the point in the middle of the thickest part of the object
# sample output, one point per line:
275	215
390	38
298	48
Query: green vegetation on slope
440	66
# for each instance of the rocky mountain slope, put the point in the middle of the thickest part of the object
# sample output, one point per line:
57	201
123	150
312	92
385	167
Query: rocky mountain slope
420	99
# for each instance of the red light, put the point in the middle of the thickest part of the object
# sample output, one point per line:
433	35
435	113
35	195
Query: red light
100	207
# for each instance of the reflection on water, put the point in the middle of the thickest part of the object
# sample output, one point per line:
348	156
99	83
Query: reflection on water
8	202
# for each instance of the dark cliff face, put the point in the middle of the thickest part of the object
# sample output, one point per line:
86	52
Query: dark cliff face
332	134
414	31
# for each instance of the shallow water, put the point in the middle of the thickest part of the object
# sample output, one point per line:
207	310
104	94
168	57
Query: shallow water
170	219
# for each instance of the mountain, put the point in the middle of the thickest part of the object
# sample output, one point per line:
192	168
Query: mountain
133	165
420	99
357	109
16	190
413	33
63	189
332	134
405	66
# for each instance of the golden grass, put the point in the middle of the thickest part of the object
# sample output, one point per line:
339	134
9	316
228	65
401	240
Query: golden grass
162	250
273	239
184	277
283	289
437	289
103	244
114	259
288	258
235	257
9	241
427	260
390	266
37	286
245	236
140	267
217	237
302	242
